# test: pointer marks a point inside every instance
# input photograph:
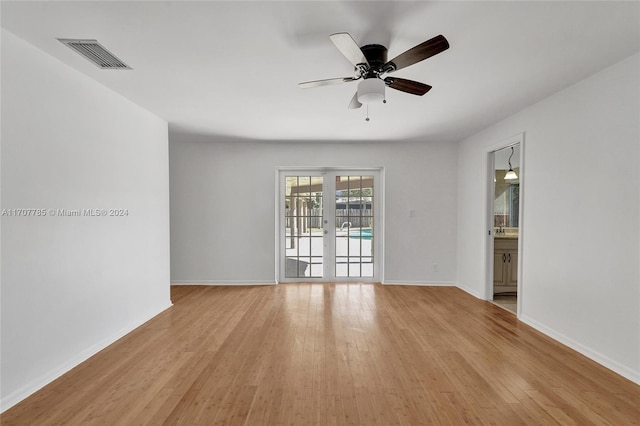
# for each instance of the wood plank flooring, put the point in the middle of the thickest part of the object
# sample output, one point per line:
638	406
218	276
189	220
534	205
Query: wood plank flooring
333	354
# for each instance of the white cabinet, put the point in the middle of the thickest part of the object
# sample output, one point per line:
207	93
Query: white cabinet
505	265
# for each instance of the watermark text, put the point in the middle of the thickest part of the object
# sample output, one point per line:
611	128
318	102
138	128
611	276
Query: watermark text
64	212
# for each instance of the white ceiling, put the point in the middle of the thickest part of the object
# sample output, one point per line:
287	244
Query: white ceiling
232	68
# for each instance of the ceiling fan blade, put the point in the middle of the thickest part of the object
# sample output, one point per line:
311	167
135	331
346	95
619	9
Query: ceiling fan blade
349	48
327	82
409	86
418	53
355	103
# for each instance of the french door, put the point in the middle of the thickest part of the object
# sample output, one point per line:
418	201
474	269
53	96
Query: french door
329	227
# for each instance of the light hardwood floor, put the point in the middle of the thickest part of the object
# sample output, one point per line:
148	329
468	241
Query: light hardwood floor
327	354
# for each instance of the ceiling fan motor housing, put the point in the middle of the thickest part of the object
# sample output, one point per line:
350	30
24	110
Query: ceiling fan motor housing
376	55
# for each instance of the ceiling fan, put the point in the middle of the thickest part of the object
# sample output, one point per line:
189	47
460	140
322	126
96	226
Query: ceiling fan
370	62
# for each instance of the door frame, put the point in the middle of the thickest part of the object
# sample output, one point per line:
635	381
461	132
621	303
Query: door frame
518	139
379	208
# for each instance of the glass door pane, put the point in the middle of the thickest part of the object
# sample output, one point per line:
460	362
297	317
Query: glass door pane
354	200
303	227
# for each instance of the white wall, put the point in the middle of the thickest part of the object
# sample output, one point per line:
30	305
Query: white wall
581	246
71	285
223	206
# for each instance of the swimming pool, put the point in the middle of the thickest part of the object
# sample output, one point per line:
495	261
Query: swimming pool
365	234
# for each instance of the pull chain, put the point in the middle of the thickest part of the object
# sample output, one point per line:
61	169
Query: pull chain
384	101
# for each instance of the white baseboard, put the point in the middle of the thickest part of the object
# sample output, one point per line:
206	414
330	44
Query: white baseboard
420	283
223	282
596	356
34	385
470	291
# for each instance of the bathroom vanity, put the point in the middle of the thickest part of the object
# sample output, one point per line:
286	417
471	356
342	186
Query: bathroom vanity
505	264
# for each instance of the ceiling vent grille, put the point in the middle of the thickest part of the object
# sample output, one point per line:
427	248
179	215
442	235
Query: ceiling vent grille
96	53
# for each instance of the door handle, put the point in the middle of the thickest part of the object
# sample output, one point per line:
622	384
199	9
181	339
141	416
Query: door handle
326	232
509	257
504	257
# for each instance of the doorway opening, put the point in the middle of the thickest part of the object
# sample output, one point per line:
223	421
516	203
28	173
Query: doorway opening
328	228
504	220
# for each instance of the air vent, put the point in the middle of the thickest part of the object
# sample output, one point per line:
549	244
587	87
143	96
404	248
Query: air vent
96	53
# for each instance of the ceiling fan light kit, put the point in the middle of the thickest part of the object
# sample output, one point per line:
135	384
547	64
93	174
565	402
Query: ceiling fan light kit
371	90
370	64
